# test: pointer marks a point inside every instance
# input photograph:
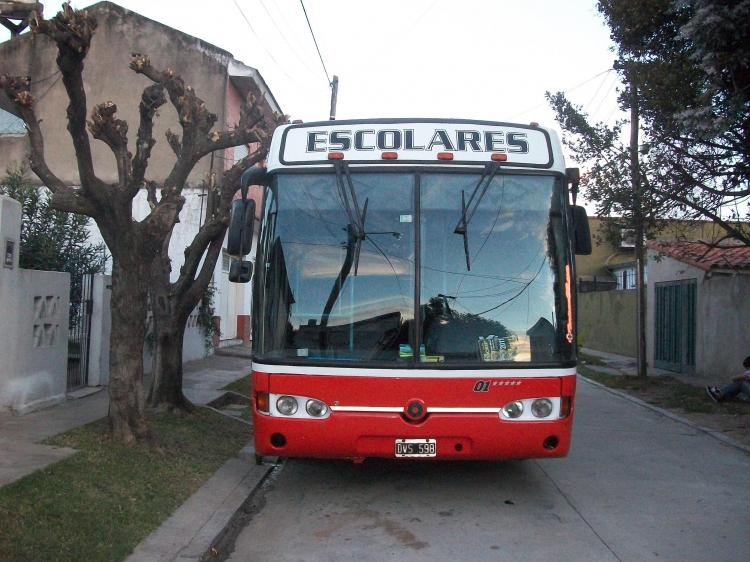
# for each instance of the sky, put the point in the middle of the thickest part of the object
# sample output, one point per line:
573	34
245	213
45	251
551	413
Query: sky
474	59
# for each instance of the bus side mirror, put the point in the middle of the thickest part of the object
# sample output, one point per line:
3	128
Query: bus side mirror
240	271
581	231
573	176
241	224
252	176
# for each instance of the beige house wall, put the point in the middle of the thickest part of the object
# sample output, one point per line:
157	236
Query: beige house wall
604	253
107	77
607	321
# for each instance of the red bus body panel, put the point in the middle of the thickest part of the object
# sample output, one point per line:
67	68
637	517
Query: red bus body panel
461	435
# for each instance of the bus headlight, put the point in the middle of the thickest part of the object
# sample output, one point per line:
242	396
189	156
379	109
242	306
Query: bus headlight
514	409
316	408
541	408
286	405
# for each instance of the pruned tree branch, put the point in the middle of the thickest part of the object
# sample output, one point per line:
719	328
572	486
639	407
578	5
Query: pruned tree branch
151	100
114	132
72	30
196	290
66	198
216	223
174	142
151	194
248	130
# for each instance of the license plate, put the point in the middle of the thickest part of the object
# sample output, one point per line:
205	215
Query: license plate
416	447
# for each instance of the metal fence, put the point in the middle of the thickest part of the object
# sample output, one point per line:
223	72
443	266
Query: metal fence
79	334
596	284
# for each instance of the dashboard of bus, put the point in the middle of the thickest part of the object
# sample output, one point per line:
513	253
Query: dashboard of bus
418	268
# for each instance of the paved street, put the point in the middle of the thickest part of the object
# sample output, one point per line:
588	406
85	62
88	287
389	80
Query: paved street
636	486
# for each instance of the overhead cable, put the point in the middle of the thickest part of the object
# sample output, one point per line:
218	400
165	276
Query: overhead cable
565	92
394	43
612	85
261	43
285	39
316	43
597	91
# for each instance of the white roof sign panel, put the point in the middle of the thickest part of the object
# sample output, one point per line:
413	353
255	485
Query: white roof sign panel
416	141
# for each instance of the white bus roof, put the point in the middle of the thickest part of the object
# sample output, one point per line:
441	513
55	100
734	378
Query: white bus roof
438	142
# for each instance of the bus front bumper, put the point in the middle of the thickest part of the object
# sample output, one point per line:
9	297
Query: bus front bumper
349	435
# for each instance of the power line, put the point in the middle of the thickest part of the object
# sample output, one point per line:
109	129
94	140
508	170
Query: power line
597	91
285	39
612	85
261	42
565	92
315	41
396	42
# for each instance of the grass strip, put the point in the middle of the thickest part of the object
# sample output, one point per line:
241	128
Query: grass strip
104	500
666	392
242	386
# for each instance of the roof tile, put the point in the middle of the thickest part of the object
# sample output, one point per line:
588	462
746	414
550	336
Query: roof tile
704	256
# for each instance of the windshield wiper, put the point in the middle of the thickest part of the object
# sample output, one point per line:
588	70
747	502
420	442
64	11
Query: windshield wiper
463	223
356	218
337	286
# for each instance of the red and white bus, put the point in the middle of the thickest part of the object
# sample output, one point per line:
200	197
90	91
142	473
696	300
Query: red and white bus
414	291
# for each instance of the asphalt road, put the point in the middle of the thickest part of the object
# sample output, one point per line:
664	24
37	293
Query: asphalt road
636	486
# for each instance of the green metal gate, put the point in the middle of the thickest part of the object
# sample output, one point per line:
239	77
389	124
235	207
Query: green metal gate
674	348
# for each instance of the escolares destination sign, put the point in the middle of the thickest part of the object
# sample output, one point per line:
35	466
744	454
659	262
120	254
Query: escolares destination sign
416	141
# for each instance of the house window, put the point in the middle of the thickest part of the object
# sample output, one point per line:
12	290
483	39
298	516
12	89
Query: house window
240	152
226	262
625	279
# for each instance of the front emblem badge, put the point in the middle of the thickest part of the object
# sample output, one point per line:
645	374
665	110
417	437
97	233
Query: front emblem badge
415	410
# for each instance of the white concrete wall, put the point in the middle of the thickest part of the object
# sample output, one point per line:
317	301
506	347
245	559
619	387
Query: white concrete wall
101	328
34	327
722	338
193	344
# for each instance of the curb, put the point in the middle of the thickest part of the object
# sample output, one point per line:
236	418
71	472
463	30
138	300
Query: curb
191	530
715	434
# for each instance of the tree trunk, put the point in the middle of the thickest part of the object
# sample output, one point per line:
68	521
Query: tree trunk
126	394
166	384
169	333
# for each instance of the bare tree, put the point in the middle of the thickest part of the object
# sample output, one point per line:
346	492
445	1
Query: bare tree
172	303
135	245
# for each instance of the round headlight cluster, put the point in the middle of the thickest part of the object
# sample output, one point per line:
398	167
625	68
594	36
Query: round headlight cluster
514	409
286	405
316	408
541	408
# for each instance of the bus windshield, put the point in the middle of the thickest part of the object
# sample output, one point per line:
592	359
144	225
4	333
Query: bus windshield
425	268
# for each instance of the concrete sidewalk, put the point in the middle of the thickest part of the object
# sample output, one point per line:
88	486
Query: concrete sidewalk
188	533
622	365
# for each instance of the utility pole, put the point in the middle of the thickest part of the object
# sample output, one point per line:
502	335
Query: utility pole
334	95
638	223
